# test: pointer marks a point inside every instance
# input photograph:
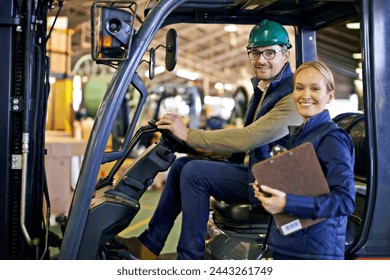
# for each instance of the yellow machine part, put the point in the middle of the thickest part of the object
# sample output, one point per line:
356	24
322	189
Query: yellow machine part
60	111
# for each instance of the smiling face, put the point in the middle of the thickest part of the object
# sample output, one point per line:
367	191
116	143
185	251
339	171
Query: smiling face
267	70
311	92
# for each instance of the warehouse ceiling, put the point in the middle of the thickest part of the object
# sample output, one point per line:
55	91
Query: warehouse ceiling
209	51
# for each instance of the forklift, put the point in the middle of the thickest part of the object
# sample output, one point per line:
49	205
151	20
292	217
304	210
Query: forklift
103	207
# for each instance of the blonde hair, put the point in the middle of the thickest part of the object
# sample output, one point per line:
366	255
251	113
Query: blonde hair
320	67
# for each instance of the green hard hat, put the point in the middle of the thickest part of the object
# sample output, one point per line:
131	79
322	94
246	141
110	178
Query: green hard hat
268	33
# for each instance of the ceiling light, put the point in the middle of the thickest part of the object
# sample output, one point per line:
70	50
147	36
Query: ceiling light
218	86
228	86
52	80
157	70
231	28
357	56
61	22
358	71
353	25
187	74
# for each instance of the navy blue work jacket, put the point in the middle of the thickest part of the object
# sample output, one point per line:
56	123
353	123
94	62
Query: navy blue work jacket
278	89
326	239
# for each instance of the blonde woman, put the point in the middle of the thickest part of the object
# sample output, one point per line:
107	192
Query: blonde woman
313	89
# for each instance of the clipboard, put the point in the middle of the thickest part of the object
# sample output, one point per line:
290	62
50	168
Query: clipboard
296	171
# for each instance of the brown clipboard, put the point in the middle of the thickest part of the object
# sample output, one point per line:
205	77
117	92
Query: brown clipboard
296	171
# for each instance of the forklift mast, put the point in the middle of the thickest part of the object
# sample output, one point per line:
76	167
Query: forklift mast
24	90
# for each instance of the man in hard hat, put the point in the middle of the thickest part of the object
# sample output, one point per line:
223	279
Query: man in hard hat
191	182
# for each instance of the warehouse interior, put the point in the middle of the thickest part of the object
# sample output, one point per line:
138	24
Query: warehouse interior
83	159
211	58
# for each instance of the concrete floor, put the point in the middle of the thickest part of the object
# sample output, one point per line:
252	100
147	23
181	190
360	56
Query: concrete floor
148	203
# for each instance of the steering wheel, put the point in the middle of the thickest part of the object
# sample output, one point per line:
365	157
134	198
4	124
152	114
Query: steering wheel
172	141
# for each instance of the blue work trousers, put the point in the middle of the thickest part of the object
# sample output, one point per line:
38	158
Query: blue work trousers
188	188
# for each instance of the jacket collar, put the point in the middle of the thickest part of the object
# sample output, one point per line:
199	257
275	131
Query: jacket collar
311	123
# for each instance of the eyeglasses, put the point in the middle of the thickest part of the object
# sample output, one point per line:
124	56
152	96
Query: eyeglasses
267	54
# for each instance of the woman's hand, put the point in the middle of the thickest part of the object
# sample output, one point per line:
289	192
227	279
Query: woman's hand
174	124
275	200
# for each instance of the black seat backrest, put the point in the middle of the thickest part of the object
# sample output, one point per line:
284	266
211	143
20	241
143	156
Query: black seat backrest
344	119
354	124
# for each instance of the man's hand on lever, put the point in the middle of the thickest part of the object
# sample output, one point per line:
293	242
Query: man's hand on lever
174	124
